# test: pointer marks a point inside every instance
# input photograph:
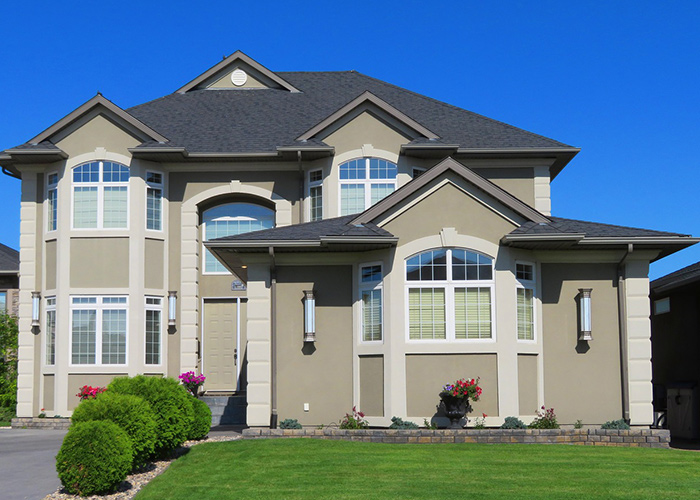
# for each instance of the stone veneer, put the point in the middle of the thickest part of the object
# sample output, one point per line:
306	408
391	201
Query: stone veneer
647	438
40	423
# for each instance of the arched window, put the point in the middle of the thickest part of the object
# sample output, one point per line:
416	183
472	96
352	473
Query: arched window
449	293
229	220
100	195
363	182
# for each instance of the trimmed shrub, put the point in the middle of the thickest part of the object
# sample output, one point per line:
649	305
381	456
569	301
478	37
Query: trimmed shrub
398	423
131	413
615	424
94	458
201	421
290	423
513	423
546	419
169	402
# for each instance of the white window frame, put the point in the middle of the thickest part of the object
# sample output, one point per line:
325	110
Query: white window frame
51	187
50	307
526	284
100	185
449	286
311	185
157	308
99	307
157	187
366	182
370	286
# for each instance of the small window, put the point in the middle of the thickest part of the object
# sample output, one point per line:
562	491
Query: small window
154	201
524	272
52	197
371	295
525	300
315	195
51	330
154	327
662	306
417	172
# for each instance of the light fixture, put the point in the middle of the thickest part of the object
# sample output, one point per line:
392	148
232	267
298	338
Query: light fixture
585	312
309	316
36	299
172	302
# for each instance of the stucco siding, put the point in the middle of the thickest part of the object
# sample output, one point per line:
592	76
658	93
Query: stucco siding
527	383
372	385
76	381
153	255
96	131
520	182
99	262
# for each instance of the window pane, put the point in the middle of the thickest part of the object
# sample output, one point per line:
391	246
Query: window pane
371	274
353	169
472	313
50	337
380	191
85	207
53	209
88	172
115	207
371	315
523	272
3	302
115	172
83	337
316	198
114	337
381	169
316	176
526	330
428	266
153	337
468	265
153	208
352	199
426	313
154	178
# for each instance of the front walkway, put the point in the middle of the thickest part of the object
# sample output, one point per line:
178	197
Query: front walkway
28	463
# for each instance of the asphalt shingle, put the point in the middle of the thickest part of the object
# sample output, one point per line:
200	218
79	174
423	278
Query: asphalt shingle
589	229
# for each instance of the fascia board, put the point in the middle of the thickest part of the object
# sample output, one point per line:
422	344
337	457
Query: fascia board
552	237
262	243
359	239
641	240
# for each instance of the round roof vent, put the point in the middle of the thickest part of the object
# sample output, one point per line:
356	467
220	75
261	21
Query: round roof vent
239	77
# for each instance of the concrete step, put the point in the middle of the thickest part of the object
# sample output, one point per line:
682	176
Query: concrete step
226	410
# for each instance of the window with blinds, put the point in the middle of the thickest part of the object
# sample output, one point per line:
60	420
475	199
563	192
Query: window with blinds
371	294
525	297
450	295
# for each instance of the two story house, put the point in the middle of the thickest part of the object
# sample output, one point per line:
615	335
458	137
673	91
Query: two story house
314	241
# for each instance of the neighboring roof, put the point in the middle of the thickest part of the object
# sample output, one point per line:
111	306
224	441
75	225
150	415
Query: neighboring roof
9	260
676	279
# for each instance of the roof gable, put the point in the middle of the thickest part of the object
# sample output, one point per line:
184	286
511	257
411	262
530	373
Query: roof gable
215	77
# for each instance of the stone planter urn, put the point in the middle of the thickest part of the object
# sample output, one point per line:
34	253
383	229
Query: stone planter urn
456	408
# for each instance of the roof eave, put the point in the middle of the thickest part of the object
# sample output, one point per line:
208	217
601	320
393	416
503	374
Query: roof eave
562	155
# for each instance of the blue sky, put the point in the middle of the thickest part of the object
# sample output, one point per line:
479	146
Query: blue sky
618	79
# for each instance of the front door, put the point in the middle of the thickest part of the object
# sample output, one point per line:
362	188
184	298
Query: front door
220	342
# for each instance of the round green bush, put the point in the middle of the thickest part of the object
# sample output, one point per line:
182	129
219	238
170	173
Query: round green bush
132	413
201	423
513	423
94	458
169	402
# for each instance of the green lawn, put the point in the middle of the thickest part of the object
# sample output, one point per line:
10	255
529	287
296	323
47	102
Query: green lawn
317	469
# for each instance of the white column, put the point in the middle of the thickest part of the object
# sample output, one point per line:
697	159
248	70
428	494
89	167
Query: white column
543	199
258	351
189	289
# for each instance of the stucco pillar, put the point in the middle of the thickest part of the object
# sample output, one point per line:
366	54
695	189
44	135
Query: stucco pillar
543	198
189	289
259	387
636	293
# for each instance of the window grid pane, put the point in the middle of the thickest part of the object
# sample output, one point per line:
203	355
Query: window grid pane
316	198
50	337
381	169
428	266
470	266
352	199
371	315
426	312
115	172
53	208
114	337
85	207
115	207
153	328
89	172
83	336
353	169
472	313
153	208
526	324
380	191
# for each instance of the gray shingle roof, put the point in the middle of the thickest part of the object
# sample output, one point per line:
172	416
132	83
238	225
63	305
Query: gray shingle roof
9	259
589	229
260	120
309	231
685	276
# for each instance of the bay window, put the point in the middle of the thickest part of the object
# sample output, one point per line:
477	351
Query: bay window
365	181
98	330
100	195
449	295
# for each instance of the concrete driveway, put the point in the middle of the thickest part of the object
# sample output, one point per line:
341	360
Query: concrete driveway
28	463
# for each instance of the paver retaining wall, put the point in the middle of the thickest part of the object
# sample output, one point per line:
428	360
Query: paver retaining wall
648	438
40	423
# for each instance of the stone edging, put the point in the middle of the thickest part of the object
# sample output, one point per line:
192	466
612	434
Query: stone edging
647	438
40	423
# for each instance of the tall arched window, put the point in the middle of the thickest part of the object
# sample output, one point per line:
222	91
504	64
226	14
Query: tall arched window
100	195
229	220
449	293
363	182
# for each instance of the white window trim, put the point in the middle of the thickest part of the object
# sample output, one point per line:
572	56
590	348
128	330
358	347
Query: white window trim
367	182
99	307
529	285
449	286
160	187
100	185
49	188
368	286
312	184
49	306
154	307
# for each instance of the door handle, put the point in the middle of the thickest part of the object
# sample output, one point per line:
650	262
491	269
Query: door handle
235	356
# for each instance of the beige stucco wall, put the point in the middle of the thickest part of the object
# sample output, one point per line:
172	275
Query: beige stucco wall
321	373
520	182
99	262
76	381
581	379
94	130
366	128
426	374
49	385
527	383
154	253
372	385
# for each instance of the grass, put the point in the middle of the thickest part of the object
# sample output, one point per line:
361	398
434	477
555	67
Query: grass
317	469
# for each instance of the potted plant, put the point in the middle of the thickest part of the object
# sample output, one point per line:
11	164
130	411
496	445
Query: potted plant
455	399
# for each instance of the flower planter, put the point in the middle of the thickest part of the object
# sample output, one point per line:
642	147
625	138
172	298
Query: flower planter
456	408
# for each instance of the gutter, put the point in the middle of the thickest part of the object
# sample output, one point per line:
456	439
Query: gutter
273	339
622	318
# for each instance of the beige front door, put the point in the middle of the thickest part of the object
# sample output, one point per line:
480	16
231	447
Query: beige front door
220	342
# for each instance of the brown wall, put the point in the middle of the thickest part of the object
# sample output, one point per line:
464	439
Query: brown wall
372	385
109	255
320	373
426	374
582	379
